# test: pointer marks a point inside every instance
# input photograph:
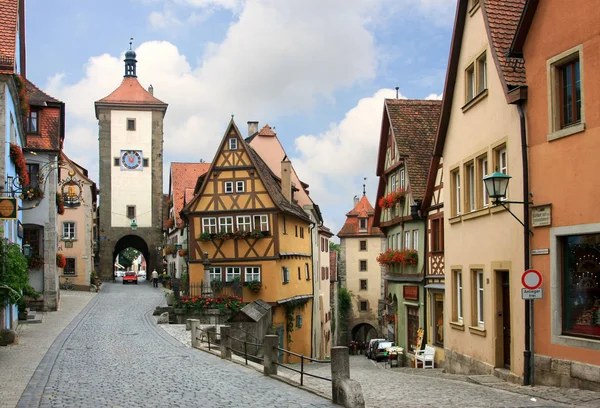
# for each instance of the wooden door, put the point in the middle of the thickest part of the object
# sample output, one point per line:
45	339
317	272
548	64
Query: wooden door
506	318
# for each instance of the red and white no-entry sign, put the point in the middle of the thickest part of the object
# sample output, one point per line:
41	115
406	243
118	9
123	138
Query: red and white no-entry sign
531	279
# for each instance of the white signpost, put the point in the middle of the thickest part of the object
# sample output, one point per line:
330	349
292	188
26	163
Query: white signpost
531	280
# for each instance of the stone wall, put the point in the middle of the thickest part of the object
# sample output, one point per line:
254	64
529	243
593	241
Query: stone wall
565	373
457	363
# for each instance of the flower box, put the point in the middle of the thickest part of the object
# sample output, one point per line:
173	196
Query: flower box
406	257
392	199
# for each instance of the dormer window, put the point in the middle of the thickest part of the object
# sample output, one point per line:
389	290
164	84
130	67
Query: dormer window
233	144
362	224
32	122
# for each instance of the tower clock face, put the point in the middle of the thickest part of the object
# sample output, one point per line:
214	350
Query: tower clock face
131	159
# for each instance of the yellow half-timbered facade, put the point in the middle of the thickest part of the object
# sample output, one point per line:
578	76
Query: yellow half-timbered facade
245	222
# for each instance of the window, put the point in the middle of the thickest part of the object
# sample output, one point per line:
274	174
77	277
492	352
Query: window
68	230
470	82
33	171
283	222
481	73
31	236
301	232
483	171
476	78
478	300
363	265
502	162
412	326
233	144
252	273
438	318
437	234
363	245
285	274
363	284
393	182
261	222
363	223
470	186
327	272
130	124
32	122
69	268
406	239
415	240
455	182
145	162
209	225
398	241
116	162
296	229
298	321
240	186
244	223
566	110
228	187
458	297
322	273
307	270
402	181
363	305
232	273
131	211
215	274
225	224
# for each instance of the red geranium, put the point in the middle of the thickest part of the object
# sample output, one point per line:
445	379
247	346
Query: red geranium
61	261
392	198
17	157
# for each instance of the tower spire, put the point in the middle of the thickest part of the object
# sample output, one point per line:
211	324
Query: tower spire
130	61
364	187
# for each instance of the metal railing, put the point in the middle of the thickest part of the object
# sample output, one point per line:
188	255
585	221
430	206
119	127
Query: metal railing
242	353
301	371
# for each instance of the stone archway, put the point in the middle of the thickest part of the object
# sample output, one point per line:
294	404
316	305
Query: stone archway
363	332
136	242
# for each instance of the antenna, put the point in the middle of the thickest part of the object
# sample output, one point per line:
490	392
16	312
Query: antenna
397	87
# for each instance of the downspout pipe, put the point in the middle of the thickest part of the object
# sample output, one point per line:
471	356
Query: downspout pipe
528	353
312	318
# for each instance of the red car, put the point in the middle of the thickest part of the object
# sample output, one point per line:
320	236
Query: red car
130	277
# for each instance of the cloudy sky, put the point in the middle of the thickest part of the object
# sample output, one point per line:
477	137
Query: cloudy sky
315	70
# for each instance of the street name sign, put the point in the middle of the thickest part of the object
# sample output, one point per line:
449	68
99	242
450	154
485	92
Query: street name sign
527	294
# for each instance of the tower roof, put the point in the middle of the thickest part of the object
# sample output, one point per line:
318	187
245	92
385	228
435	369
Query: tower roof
362	209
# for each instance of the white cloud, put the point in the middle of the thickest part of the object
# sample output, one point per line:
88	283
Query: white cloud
434	97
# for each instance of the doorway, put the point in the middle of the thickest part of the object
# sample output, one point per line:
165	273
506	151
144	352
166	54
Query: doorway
504	317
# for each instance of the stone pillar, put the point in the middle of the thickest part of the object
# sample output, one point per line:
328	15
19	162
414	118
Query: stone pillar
344	391
225	344
340	364
194	327
270	343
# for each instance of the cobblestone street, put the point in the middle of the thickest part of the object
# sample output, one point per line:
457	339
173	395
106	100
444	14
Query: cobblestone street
113	355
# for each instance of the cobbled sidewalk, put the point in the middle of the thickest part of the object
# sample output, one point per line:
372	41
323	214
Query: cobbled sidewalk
20	361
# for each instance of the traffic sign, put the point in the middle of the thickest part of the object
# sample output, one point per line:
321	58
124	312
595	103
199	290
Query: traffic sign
531	279
527	294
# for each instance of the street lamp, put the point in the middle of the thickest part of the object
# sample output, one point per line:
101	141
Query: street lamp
496	185
133	225
27	250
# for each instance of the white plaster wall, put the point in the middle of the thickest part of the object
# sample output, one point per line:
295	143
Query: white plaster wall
131	187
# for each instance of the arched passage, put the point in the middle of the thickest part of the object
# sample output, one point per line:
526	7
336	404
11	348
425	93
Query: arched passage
133	241
363	332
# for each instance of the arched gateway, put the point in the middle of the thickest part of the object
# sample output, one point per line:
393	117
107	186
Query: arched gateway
131	171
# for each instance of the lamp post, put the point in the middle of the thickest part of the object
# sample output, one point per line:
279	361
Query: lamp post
206	264
496	185
133	225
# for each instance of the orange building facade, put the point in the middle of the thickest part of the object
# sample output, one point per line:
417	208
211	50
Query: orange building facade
560	43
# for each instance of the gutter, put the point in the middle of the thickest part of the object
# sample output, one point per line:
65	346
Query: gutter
311	227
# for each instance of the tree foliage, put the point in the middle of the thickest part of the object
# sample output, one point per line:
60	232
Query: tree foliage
13	272
344	302
127	256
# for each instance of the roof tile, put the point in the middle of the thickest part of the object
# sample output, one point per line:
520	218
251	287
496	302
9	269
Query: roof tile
183	178
9	10
362	209
130	92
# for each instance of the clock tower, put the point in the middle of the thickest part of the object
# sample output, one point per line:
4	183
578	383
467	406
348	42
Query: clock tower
130	136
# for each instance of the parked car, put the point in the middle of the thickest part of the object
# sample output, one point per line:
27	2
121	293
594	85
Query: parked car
142	274
381	350
371	347
130	277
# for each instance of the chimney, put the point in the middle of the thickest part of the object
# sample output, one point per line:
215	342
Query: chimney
252	128
151	90
286	178
356	200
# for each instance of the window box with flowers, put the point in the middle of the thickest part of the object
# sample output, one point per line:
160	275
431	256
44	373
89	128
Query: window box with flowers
224	236
254	285
206	236
35	262
390	200
23	102
61	261
169	223
18	159
170	250
406	257
183	252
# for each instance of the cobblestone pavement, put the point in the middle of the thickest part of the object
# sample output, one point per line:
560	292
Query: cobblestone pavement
114	355
18	362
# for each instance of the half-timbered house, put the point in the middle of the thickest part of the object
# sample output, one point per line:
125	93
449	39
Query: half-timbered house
245	221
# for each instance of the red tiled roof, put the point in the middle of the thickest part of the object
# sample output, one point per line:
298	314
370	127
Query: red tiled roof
49	120
37	97
8	35
183	178
362	209
414	124
267	131
503	19
130	92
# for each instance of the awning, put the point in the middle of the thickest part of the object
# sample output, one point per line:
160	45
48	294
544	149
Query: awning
300	297
439	286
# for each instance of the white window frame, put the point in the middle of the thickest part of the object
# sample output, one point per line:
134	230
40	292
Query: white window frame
228	187
415	240
479	282
402	178
244	223
457	191
406	239
225	224
69	230
393	182
262	223
252	273
240	186
459	296
216	273
231	272
485	199
398	241
360	223
209	225
471	185
481	73
503	165
233	143
470	83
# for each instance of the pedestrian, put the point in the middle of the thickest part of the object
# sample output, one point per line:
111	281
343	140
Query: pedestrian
155	278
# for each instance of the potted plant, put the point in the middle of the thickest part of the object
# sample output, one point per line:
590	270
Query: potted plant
217	285
254	285
17	157
61	261
35	262
32	193
168	224
183	252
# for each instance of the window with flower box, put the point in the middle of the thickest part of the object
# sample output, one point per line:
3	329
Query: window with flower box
209	225
244	223
252	273
406	239
233	273
225	224
415	241
216	273
261	222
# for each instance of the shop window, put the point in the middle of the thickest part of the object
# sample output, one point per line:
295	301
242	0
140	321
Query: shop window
581	286
412	326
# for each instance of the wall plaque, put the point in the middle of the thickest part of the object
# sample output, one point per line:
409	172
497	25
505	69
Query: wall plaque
541	215
411	292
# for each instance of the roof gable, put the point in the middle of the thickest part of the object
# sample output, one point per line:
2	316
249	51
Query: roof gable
131	92
362	209
50	120
184	177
